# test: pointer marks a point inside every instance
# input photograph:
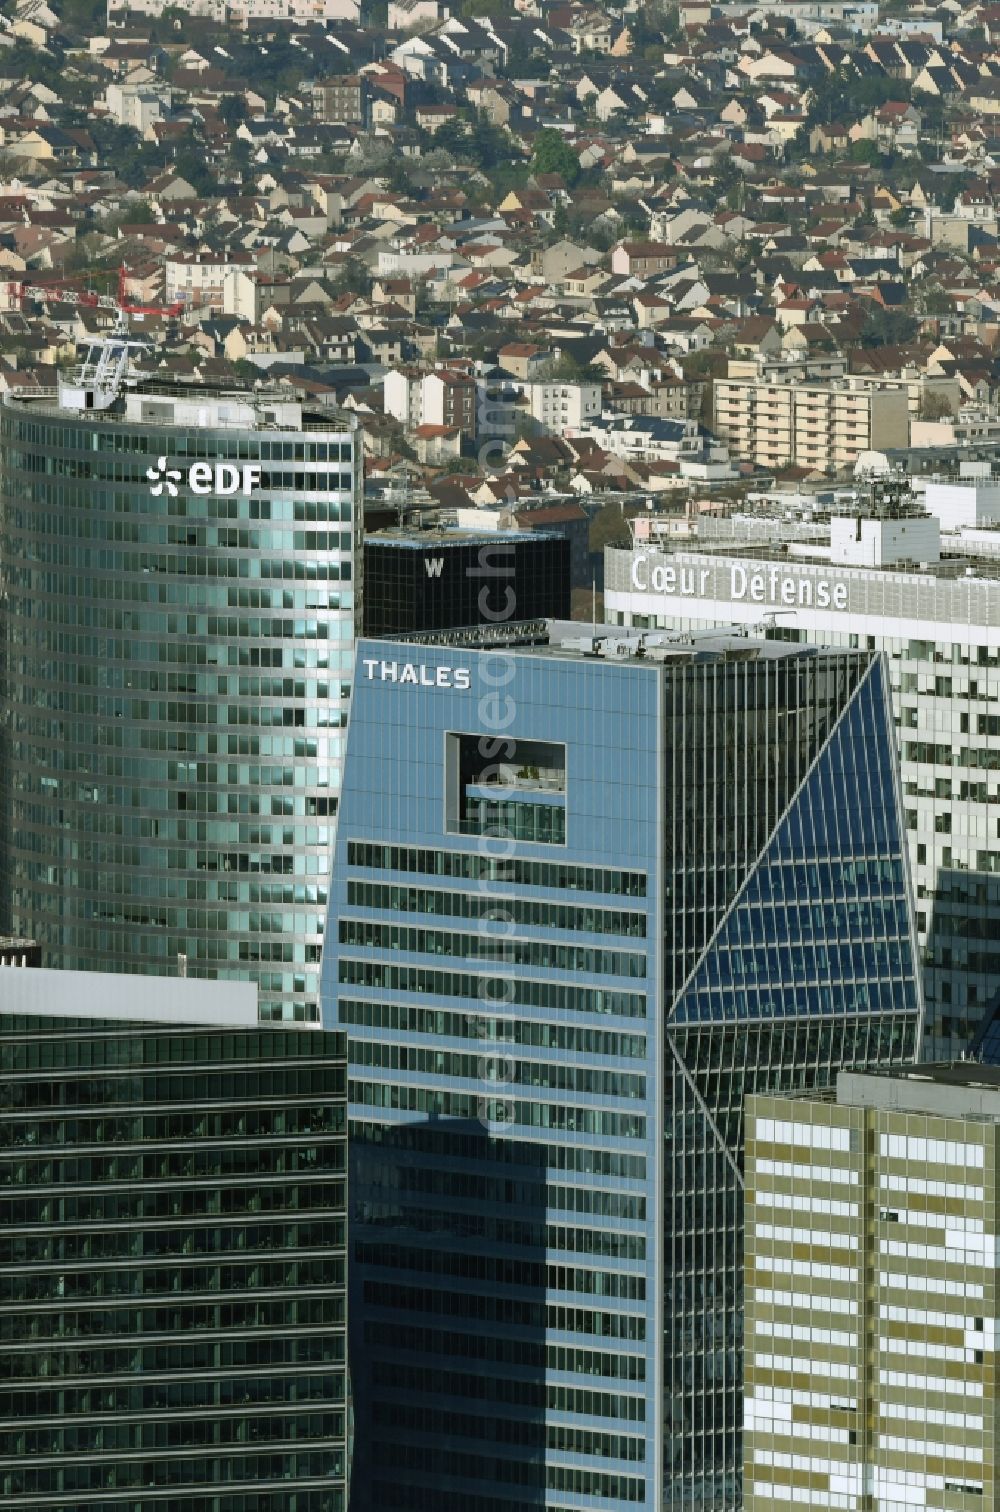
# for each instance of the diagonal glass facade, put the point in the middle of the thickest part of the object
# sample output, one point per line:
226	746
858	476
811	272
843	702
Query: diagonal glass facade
812	969
172	1256
550	1041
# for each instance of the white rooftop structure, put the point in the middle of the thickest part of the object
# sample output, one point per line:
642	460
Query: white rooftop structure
42	993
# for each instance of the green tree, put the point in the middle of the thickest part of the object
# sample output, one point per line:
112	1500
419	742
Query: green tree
135	212
900	217
352	276
521	59
884	327
452	136
937	302
248	373
672	24
843	96
233	110
197	172
553	154
864	152
567	368
496	10
83	18
488	145
935	406
609	528
399	176
134	160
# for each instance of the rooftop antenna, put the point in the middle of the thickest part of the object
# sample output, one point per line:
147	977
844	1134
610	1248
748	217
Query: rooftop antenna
403	499
766	622
107	366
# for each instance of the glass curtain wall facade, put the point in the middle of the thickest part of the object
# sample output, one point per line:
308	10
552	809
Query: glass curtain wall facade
424	580
172	1252
939	628
176	668
550	1040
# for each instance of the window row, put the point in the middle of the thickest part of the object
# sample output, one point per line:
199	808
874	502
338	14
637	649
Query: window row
498	951
490	991
497	908
516	873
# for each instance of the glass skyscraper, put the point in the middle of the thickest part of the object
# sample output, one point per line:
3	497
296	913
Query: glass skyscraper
175	664
586	896
172	1250
924	589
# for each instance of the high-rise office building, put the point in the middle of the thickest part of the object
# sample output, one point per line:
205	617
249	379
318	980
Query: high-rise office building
871	1297
587	895
172	1255
918	579
177	643
419	581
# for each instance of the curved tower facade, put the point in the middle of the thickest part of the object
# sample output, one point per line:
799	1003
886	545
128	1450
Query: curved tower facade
178	613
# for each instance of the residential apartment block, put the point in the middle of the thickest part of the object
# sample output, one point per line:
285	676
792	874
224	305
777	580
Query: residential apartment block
562	407
871	1294
438	398
642	258
821	426
249	295
340	99
199	278
241	12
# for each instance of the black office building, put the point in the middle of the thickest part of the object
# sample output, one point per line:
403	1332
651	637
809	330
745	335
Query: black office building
172	1254
424	580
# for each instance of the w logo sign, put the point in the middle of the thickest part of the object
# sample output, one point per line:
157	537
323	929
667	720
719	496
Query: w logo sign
433	566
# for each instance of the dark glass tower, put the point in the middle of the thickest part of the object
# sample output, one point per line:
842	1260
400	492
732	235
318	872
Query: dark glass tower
175	664
586	897
425	580
172	1255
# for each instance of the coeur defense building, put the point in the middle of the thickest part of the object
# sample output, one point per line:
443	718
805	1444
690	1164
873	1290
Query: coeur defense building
918	577
586	895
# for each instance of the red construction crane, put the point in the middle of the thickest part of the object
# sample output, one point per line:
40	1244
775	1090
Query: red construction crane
143	309
90	299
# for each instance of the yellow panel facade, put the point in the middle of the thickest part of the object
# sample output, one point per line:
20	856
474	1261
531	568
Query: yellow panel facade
871	1301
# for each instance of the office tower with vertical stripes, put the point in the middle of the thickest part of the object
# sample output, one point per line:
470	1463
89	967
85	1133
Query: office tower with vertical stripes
587	894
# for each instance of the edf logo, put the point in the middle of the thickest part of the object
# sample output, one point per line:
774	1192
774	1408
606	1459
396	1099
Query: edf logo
204	478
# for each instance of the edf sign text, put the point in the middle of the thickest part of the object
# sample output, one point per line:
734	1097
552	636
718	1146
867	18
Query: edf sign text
223	478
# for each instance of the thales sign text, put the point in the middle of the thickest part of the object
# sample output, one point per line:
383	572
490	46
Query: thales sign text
459	678
766	585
